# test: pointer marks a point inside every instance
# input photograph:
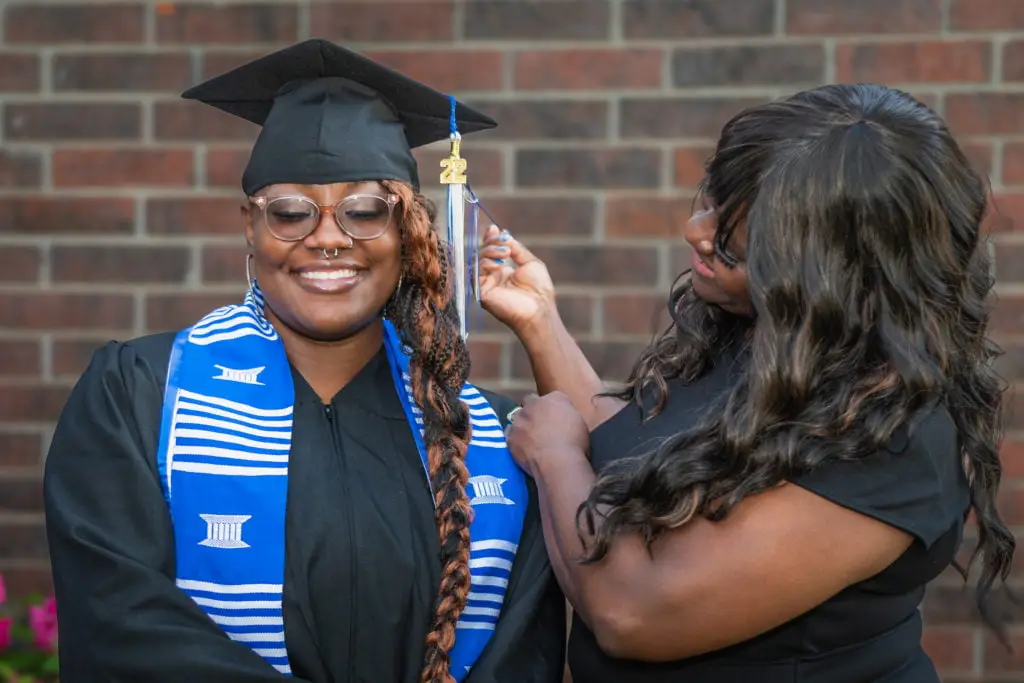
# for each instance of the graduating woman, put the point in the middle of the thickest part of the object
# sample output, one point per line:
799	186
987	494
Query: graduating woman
794	458
304	485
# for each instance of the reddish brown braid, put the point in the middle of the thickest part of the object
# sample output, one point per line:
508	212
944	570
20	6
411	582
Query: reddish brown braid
423	312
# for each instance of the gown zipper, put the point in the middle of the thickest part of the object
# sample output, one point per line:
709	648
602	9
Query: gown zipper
329	414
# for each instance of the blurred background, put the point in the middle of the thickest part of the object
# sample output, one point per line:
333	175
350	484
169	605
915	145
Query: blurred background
119	202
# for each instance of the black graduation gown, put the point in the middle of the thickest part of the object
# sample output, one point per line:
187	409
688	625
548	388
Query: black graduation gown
362	565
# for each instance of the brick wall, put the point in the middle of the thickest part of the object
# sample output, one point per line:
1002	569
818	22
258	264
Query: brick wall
118	202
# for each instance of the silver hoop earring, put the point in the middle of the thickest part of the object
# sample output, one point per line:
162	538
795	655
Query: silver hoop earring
394	295
248	275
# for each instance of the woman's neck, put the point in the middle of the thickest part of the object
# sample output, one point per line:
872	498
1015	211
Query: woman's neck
328	366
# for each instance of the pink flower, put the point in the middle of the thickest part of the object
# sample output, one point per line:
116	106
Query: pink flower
43	621
3	590
6	633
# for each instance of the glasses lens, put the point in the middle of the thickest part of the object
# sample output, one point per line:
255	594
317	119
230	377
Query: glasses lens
291	218
364	217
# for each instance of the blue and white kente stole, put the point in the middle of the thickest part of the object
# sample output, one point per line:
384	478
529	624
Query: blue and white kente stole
223	460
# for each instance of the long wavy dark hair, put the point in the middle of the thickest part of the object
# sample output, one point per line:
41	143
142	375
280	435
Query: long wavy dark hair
424	314
870	280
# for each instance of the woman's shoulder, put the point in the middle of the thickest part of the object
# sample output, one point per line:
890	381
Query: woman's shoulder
130	360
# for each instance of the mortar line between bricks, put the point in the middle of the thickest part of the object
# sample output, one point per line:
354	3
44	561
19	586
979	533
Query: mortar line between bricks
46	357
830	60
996	46
149	36
615	25
304	20
780	18
458	21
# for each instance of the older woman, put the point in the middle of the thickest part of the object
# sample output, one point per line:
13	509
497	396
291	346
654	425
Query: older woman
305	485
794	459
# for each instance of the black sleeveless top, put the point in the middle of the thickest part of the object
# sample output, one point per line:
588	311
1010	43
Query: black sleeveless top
869	632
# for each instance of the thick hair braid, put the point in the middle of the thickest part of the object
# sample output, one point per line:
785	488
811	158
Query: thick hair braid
424	314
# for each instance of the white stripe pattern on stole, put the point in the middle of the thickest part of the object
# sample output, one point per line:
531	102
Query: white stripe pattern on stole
212	435
486	431
489	570
233	322
247	613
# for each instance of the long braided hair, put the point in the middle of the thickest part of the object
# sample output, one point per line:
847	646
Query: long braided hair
423	311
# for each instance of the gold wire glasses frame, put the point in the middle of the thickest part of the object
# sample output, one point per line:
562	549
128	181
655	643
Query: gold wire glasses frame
300	216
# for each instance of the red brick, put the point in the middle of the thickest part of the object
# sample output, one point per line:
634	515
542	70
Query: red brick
754	65
27	578
1010	263
448	70
121	71
1013	163
20	169
20	449
70	357
1008	315
123	167
950	647
689	165
980	156
67	311
224	166
986	15
1000	660
195	121
19	72
824	17
697	18
168	312
607	168
220	23
605	267
223	264
932	61
120	264
32	404
576	310
528	216
1011	455
588	69
647	216
485	356
1013	61
640	314
19	264
72	215
690	117
194	216
21	491
536	20
20	358
394	21
546	119
485	166
217	62
46	24
66	121
612	360
1006	212
987	113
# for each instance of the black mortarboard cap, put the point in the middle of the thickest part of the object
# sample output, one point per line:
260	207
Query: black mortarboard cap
331	115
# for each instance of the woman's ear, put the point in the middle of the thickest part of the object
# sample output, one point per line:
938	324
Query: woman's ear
246	215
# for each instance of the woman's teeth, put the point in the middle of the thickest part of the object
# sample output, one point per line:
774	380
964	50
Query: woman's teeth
329	274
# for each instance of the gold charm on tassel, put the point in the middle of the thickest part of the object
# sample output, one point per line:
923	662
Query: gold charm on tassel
454	166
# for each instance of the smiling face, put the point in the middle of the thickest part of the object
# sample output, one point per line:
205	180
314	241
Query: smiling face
325	298
719	274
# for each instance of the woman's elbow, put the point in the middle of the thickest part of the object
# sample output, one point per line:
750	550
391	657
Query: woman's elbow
619	630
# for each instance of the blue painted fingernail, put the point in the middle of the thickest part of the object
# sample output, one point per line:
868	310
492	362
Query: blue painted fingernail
499	260
504	236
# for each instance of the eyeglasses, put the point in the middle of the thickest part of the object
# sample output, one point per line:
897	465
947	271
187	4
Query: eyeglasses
293	218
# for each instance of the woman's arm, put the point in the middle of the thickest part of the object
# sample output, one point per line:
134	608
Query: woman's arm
706	585
122	618
523	298
558	364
